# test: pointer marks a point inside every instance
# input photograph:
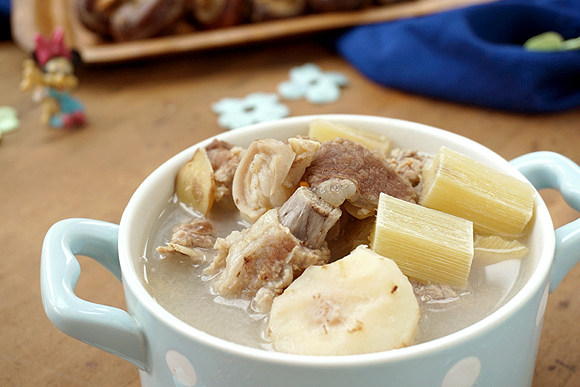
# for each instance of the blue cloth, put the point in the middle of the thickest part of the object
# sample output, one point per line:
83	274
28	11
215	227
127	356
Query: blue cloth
474	55
4	7
4	19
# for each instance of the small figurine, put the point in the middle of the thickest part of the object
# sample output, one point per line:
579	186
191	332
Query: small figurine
51	72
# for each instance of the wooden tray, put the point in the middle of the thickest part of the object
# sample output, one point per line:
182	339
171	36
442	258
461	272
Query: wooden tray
32	16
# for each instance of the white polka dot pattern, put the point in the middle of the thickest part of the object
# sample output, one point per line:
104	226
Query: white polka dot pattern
464	373
542	309
181	368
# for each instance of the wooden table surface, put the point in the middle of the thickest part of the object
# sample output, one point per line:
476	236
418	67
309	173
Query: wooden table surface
139	115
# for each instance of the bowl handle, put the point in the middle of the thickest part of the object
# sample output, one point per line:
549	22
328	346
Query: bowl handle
104	327
552	170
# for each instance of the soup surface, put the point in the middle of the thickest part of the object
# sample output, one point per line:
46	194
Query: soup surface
304	202
182	289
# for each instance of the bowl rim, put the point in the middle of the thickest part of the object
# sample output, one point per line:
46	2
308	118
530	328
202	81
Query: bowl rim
538	279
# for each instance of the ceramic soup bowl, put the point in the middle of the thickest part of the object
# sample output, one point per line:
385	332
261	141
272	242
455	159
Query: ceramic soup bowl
499	350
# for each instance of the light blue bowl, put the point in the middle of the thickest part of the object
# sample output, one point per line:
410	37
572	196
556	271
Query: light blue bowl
499	350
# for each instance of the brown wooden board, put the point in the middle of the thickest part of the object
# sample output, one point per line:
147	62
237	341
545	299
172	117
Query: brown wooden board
41	16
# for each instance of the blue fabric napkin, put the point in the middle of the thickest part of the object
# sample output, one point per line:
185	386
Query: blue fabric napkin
474	55
4	7
4	19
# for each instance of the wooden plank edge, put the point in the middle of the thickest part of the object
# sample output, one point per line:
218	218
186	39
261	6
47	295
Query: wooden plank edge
26	14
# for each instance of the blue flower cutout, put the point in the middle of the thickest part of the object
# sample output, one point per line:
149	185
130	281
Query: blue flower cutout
317	86
257	107
8	119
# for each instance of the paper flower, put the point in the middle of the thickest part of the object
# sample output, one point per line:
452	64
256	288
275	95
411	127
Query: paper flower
257	107
316	86
8	119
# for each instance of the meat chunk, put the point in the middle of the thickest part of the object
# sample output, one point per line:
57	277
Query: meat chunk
336	191
433	291
308	217
261	261
348	233
224	159
409	165
368	170
187	237
269	172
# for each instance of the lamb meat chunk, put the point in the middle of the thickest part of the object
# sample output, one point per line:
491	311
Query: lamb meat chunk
188	237
269	172
336	191
348	233
304	149
409	165
259	180
433	292
308	217
224	159
370	171
261	261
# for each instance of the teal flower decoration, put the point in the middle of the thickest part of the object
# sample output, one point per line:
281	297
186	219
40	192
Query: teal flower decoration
8	119
257	107
310	82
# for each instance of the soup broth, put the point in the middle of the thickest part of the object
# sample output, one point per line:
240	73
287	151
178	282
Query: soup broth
181	288
310	202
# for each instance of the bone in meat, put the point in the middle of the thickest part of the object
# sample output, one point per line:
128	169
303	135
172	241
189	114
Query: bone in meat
261	261
308	217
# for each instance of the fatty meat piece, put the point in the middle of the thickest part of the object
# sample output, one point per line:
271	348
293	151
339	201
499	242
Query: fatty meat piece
269	172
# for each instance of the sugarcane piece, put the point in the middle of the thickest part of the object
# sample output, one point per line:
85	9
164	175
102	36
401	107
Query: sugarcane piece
493	248
496	203
324	130
426	244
